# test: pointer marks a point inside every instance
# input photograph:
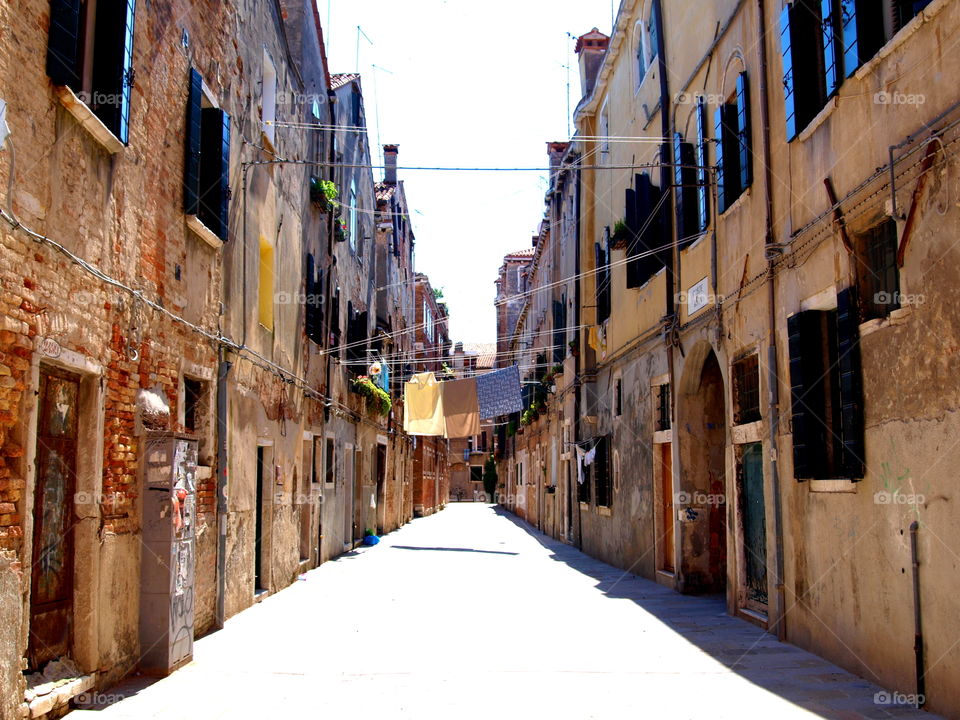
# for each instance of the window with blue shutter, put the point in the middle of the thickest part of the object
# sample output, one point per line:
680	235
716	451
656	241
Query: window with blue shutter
703	174
63	44
832	69
744	141
643	262
191	169
106	90
802	48
214	192
685	191
851	463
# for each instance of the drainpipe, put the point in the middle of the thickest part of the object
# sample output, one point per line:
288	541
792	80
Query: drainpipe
917	623
672	263
223	372
773	380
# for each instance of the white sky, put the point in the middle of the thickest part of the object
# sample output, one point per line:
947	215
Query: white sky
466	84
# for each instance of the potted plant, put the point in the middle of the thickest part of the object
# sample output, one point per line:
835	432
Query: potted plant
323	193
558	369
620	236
377	398
574	346
340	230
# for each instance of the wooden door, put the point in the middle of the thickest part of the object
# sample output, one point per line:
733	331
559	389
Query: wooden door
753	518
667	513
51	599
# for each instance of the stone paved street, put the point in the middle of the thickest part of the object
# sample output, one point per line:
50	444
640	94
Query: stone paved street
423	626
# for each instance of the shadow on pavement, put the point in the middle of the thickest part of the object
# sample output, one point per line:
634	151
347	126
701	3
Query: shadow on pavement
453	549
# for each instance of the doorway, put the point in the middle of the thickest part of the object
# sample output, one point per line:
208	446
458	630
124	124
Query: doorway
348	484
752	512
663	456
381	487
701	499
51	598
258	580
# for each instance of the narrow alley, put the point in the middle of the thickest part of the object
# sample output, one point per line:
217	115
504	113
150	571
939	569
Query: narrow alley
436	621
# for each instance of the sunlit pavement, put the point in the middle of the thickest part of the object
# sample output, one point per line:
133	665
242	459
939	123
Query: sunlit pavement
468	613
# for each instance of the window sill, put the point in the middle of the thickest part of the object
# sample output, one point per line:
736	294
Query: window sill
896	317
584	506
741	199
203	232
838	485
689	248
90	122
820	118
747	433
662	436
603	511
901	37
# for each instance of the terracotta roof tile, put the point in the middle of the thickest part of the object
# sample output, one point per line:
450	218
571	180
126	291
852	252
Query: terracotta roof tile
338	80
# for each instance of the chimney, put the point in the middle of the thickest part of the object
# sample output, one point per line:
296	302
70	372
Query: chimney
555	153
390	164
591	48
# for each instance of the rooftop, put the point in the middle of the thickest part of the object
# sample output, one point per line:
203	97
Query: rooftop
338	80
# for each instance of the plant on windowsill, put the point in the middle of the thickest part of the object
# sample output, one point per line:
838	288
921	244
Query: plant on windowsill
340	233
528	416
620	236
323	193
377	398
574	346
557	369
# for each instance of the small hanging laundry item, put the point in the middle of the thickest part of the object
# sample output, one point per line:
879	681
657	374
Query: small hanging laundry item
498	392
423	406
461	410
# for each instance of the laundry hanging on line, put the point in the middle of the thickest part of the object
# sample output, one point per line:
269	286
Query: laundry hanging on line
423	406
498	392
461	409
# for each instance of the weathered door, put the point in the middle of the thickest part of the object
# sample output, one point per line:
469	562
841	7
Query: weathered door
667	513
752	512
51	600
258	579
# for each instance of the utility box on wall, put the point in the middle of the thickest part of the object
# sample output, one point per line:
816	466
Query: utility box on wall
168	549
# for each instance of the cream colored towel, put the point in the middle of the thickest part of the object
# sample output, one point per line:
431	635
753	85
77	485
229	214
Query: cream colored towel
461	408
423	406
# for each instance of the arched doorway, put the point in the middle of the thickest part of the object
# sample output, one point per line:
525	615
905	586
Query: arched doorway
701	500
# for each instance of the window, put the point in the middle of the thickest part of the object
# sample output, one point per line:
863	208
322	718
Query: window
604	134
265	292
206	181
640	52
313	289
90	50
685	190
826	391
601	472
268	100
316	473
878	276
733	146
476	474
584	489
643	260
519	475
652	35
330	477
559	330
602	251
663	407
618	397
746	390
353	215
702	159
192	397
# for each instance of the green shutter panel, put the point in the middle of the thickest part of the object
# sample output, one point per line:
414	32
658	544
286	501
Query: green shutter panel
744	140
789	94
718	146
559	330
113	65
831	45
191	169
214	200
703	175
63	43
807	404
851	384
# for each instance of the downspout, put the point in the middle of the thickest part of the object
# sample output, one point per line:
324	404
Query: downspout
573	485
672	263
328	293
773	378
917	621
223	373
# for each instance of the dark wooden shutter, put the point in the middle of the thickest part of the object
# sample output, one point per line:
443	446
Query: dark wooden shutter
214	197
602	281
863	34
686	191
831	45
559	330
601	471
703	175
314	307
744	140
191	168
113	65
642	263
63	43
808	402
630	211
851	384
